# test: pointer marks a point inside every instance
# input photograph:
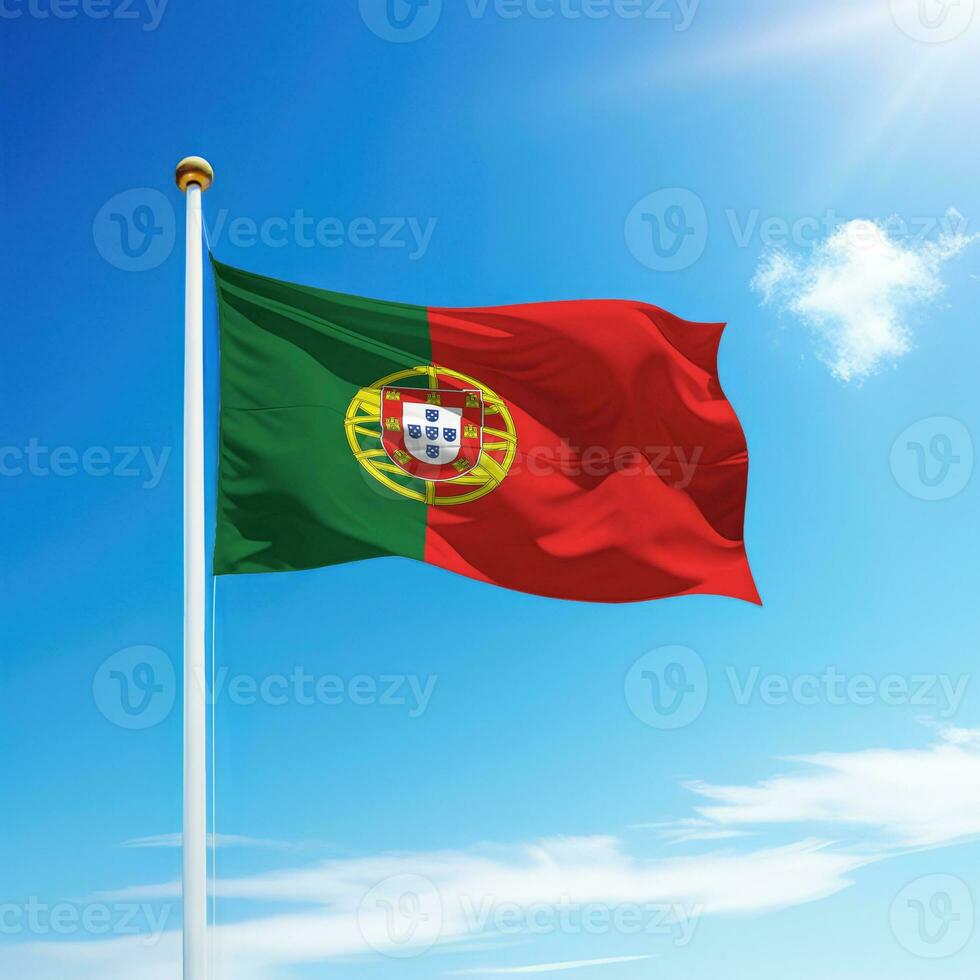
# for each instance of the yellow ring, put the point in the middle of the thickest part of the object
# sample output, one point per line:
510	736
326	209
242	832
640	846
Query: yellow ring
363	426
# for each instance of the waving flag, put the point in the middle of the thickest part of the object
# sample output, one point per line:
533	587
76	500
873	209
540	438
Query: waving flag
581	450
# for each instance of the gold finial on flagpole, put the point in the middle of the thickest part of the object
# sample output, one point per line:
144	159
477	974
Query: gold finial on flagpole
194	170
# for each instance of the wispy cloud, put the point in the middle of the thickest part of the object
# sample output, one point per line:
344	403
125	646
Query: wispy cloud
474	891
893	800
110	959
914	797
546	967
548	873
690	829
856	289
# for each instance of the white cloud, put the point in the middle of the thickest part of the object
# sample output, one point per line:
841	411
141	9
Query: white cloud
856	289
546	967
915	797
113	959
549	872
473	886
688	830
961	736
897	798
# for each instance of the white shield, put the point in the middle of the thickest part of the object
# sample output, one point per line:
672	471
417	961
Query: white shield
432	432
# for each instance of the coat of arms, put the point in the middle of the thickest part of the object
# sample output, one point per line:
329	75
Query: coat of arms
433	434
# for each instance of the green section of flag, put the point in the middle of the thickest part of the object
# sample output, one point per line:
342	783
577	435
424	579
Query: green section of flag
291	494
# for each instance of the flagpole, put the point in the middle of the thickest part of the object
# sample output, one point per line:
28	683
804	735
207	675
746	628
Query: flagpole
194	175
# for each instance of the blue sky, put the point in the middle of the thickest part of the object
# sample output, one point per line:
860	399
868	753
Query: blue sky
812	805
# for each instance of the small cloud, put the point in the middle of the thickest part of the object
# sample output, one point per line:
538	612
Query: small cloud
856	289
914	797
546	967
967	737
688	830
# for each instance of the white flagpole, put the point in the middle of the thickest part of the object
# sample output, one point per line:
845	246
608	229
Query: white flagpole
194	176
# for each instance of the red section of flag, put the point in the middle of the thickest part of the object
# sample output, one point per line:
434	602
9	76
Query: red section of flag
630	476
